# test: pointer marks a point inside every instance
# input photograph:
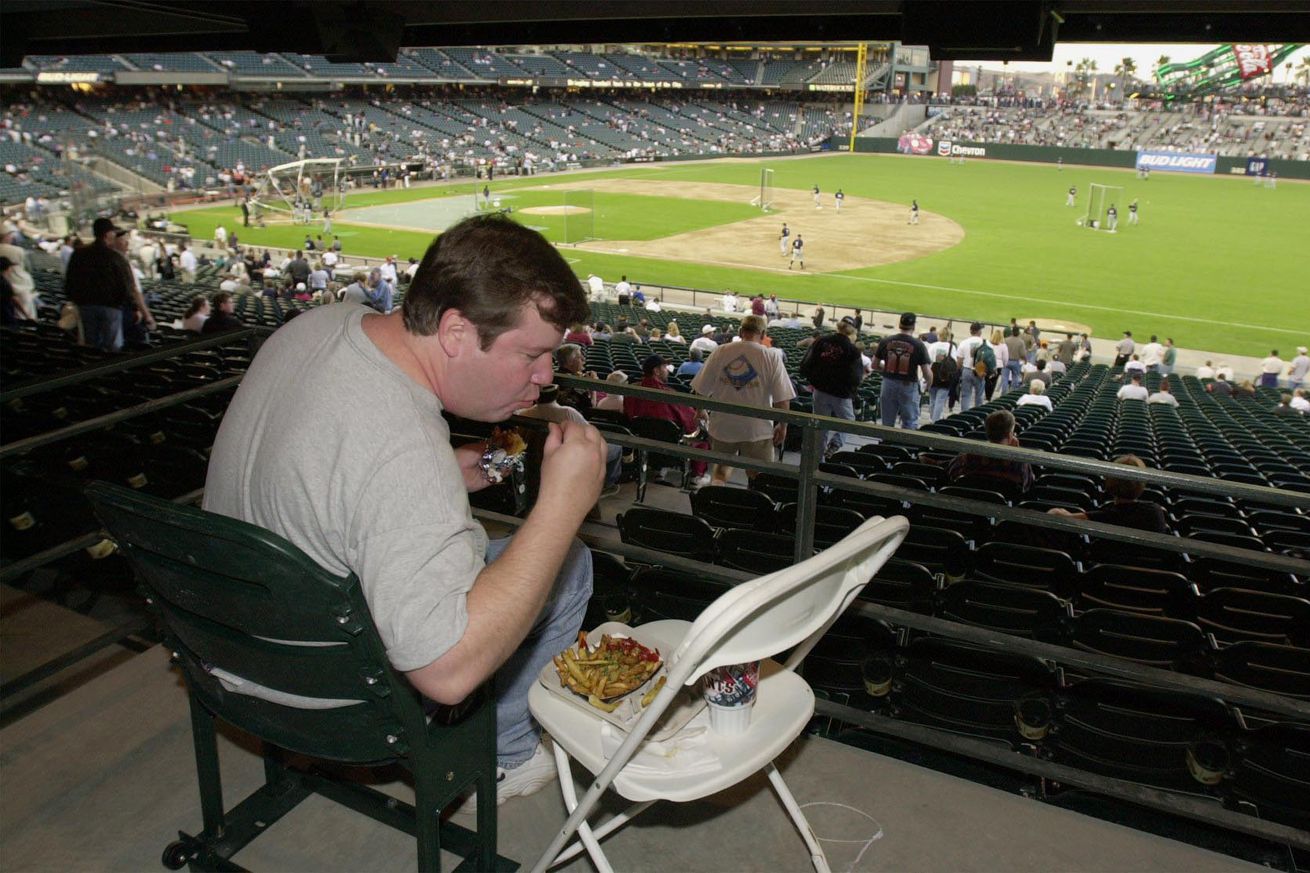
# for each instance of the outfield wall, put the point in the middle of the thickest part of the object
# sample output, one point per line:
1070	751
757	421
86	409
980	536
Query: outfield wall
1225	166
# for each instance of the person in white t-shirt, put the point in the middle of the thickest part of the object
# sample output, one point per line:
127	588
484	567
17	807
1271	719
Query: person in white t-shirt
705	342
1270	369
1164	395
220	237
596	287
1299	401
1134	366
1296	374
1205	371
187	260
1036	396
389	271
1134	390
748	373
729	302
1225	370
1152	354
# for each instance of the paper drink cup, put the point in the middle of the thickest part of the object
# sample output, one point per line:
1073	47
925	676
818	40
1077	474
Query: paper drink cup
730	694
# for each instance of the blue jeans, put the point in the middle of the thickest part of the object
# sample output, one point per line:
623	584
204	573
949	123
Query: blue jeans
613	463
835	407
900	399
102	326
1013	373
938	398
972	390
557	627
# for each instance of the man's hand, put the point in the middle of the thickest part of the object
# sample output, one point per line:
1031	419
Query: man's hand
779	433
572	468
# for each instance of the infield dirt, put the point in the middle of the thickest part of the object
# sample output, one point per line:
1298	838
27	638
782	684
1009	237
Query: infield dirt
866	233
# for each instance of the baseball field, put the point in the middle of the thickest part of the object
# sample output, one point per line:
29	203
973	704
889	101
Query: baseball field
1215	262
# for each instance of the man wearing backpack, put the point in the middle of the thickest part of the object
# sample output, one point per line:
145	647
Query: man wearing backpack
977	361
903	358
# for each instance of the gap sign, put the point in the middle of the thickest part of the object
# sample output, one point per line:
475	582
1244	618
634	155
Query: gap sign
1177	162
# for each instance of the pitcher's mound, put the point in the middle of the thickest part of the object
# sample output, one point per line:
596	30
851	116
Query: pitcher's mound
554	210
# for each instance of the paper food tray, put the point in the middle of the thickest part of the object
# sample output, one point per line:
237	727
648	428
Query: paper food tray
683	709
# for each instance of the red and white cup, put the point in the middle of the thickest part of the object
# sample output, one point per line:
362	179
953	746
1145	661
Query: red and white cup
730	695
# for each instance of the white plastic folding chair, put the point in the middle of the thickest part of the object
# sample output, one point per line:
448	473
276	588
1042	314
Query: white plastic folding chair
754	620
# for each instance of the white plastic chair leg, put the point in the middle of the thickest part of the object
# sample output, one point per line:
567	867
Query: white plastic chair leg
564	772
817	856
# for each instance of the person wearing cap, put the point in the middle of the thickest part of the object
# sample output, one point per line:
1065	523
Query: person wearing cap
833	367
100	282
705	342
1296	373
747	373
903	359
1124	349
972	386
655	375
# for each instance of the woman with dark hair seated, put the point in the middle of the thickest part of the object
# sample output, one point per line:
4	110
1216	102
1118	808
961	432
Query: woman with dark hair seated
1126	509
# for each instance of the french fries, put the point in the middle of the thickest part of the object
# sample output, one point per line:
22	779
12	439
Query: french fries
616	667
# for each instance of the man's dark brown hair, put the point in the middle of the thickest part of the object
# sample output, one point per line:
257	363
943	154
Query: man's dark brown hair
1126	489
489	268
1000	424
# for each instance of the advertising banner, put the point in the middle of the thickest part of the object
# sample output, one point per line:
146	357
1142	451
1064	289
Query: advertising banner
1176	162
1253	60
1257	166
914	144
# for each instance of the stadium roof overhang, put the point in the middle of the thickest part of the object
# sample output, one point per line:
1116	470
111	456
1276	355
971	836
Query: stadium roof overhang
361	30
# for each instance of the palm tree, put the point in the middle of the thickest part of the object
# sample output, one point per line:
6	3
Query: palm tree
1123	70
1084	70
1303	71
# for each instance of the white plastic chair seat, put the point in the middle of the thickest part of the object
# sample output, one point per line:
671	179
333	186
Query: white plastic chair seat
783	705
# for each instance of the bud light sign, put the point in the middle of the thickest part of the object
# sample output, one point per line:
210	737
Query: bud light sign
1176	162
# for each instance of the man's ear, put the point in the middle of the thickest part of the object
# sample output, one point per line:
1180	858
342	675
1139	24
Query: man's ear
454	332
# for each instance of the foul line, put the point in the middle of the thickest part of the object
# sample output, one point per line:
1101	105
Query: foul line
1048	300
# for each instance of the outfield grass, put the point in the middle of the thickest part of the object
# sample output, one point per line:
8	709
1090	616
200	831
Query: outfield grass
1216	263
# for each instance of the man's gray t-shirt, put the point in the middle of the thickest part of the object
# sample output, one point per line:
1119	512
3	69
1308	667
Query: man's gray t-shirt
332	446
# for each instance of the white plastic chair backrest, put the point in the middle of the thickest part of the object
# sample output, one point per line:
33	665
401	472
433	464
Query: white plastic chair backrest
791	607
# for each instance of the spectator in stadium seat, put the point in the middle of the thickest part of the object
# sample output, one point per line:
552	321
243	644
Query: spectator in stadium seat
655	374
903	360
1300	402
1126	507
1038	374
1010	478
690	367
196	314
356	291
745	372
705	342
1220	386
548	408
570	361
673	333
298	268
1134	390
1205	371
222	314
1297	372
1284	406
1134	365
579	334
474	337
612	402
1244	390
1036	396
834	370
1270	369
1224	369
1164	395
